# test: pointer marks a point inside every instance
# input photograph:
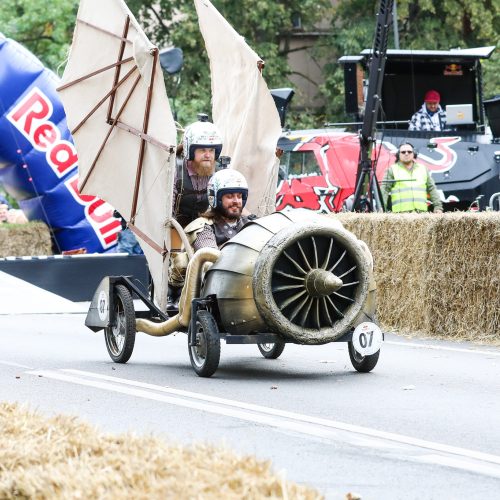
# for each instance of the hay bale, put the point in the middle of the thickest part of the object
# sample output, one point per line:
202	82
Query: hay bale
19	240
464	281
63	458
436	275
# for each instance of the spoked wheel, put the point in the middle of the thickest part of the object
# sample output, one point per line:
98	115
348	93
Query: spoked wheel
120	337
271	351
363	364
205	355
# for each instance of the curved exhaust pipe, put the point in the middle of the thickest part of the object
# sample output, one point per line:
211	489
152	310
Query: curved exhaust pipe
190	291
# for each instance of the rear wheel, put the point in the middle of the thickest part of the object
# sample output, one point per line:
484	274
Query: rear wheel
120	337
271	351
205	354
363	364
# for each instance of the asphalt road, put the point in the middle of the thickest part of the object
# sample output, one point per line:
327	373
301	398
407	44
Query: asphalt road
423	425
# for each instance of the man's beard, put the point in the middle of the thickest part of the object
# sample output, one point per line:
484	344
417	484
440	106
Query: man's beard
230	215
203	170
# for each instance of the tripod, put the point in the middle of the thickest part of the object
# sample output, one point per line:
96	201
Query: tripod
367	194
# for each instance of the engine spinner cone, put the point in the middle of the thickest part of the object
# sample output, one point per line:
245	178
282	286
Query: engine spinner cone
320	283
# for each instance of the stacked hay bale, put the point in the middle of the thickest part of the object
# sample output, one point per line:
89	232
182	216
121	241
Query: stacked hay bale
18	240
436	274
62	457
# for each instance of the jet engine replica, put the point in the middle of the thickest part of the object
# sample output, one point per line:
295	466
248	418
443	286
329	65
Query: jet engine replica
289	277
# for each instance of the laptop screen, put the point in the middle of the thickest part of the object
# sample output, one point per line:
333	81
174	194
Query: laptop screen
459	114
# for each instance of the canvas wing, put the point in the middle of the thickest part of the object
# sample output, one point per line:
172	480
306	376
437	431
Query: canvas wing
119	115
242	107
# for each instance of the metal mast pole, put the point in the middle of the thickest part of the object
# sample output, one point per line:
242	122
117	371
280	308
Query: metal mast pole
367	195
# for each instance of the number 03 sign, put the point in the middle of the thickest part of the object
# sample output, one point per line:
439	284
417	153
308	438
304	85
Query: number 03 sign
367	338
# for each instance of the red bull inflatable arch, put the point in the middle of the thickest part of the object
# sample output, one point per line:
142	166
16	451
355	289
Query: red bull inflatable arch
38	160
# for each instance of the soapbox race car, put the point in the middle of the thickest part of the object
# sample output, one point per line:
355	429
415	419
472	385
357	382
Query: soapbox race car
285	277
289	277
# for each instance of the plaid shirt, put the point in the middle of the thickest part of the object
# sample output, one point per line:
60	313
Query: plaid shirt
422	120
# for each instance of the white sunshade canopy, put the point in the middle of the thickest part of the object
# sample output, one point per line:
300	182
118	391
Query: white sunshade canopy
118	113
242	108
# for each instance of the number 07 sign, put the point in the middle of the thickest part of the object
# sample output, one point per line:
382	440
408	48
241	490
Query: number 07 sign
367	338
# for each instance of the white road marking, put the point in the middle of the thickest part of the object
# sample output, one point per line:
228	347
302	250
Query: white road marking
458	463
442	348
17	365
304	424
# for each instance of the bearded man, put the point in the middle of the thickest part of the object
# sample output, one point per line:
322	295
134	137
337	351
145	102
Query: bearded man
227	193
201	147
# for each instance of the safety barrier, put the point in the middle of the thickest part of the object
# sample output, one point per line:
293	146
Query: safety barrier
27	254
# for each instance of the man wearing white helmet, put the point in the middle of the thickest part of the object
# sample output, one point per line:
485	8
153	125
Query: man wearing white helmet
201	147
227	193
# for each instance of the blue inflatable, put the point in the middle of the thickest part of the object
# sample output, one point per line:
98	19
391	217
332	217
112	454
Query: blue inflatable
38	160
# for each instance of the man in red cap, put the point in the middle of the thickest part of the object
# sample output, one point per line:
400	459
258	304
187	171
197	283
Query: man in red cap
430	116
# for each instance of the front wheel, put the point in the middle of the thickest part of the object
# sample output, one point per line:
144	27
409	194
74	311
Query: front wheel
363	364
205	354
271	351
120	337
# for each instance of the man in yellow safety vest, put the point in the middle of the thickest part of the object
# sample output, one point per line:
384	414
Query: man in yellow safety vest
409	184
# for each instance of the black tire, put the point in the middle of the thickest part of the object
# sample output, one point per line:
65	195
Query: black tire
205	355
363	364
272	351
120	338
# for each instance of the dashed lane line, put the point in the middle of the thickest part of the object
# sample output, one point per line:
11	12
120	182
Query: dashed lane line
308	425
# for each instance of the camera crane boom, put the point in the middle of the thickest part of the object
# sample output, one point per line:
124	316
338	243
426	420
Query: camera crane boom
367	194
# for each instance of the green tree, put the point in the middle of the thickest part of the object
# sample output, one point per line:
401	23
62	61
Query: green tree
45	28
422	24
265	24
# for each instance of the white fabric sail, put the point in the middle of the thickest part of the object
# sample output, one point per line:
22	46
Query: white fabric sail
118	112
242	107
